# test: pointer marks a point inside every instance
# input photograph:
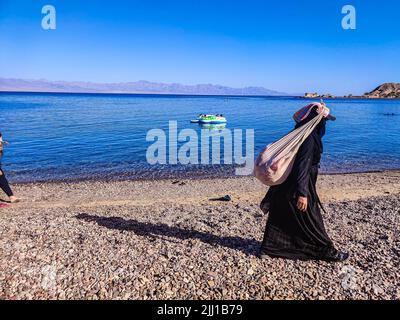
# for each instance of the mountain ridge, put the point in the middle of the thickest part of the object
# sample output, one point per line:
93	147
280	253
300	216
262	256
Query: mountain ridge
138	87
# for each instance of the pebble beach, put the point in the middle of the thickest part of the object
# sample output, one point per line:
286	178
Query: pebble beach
173	239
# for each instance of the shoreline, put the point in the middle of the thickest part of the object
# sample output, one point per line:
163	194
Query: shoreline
170	239
333	187
183	177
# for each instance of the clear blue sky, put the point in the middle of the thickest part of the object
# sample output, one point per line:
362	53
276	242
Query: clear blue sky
292	46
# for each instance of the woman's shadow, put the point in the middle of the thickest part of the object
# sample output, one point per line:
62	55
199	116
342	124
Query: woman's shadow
248	246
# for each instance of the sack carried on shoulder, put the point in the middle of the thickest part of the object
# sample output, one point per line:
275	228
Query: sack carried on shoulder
275	162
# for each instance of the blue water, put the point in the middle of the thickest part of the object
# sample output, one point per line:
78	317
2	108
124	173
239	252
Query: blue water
83	136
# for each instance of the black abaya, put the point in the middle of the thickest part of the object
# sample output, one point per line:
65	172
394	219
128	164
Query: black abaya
291	233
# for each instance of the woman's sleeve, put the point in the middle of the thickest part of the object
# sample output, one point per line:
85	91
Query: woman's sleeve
302	167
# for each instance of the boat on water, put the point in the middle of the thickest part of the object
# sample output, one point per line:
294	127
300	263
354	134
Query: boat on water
210	119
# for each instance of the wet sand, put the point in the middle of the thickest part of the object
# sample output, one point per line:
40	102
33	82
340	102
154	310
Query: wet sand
167	240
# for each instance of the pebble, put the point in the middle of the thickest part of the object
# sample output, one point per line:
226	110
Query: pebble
250	272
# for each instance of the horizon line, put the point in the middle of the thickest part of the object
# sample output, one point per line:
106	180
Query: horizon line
154	94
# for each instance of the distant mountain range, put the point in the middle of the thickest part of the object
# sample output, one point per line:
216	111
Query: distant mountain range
145	87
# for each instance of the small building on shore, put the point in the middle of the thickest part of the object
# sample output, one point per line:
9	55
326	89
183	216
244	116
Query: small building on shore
311	95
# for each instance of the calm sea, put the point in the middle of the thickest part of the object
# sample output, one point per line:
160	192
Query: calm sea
85	136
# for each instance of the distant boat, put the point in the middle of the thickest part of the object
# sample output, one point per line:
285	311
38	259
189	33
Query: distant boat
210	119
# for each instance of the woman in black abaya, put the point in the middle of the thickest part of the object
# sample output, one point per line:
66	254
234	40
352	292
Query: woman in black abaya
295	228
